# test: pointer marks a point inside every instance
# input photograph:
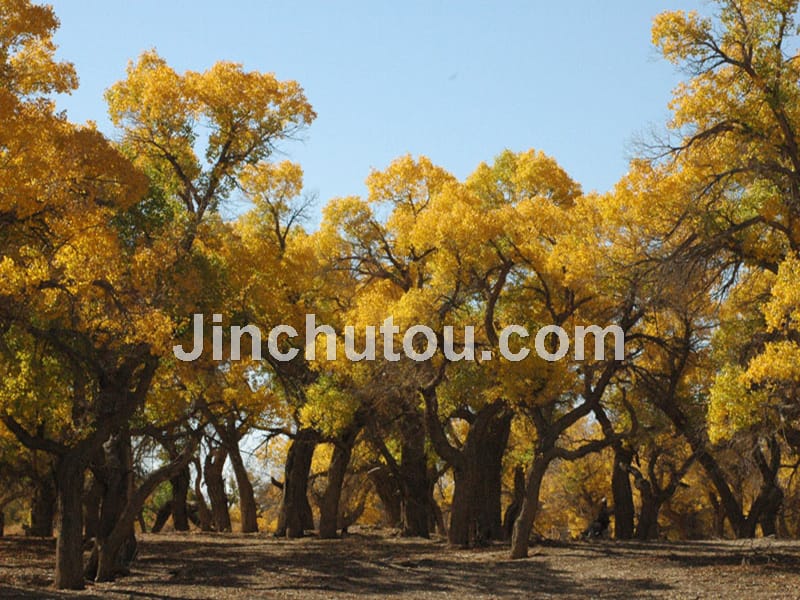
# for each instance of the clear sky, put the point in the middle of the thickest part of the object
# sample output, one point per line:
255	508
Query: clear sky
456	81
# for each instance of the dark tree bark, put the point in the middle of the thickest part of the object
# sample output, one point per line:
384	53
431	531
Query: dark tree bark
530	506
654	493
622	493
727	500
765	508
118	548
295	515
518	495
120	392
180	489
489	459
215	484
164	513
162	516
2	523
204	518
406	480
647	527
43	507
388	490
92	499
437	518
769	517
415	511
475	516
549	430
329	517
116	477
69	545
719	515
230	434
247	500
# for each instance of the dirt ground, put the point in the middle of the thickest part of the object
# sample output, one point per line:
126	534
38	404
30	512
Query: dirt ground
379	565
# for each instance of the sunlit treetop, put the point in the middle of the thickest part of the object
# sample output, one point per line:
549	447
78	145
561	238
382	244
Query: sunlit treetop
27	53
195	132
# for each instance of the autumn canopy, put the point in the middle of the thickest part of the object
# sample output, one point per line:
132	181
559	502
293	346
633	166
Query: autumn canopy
108	247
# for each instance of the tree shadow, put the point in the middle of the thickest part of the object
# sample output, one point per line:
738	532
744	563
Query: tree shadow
364	565
371	564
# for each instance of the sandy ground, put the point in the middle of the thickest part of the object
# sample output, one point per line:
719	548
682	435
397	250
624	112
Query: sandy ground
379	565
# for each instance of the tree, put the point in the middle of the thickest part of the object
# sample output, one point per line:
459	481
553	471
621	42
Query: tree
104	293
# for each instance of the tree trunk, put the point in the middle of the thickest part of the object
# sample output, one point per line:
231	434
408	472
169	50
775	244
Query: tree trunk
205	520
530	506
43	508
2	522
118	549
728	502
162	516
719	515
476	516
247	499
295	512
647	527
518	496
388	490
180	489
463	524
699	445
69	545
92	499
329	508
769	517
117	479
437	518
491	449
215	484
414	505
622	493
766	506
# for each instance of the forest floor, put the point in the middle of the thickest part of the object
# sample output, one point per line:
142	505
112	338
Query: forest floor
376	564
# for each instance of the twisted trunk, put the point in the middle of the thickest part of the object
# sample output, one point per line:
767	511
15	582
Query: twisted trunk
476	517
247	500
385	484
295	515
204	517
699	443
329	507
116	477
212	473
518	496
530	506
765	508
118	549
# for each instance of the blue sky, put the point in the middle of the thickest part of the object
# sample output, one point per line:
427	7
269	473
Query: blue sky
456	81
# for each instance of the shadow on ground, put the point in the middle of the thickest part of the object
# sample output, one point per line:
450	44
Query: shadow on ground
174	566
